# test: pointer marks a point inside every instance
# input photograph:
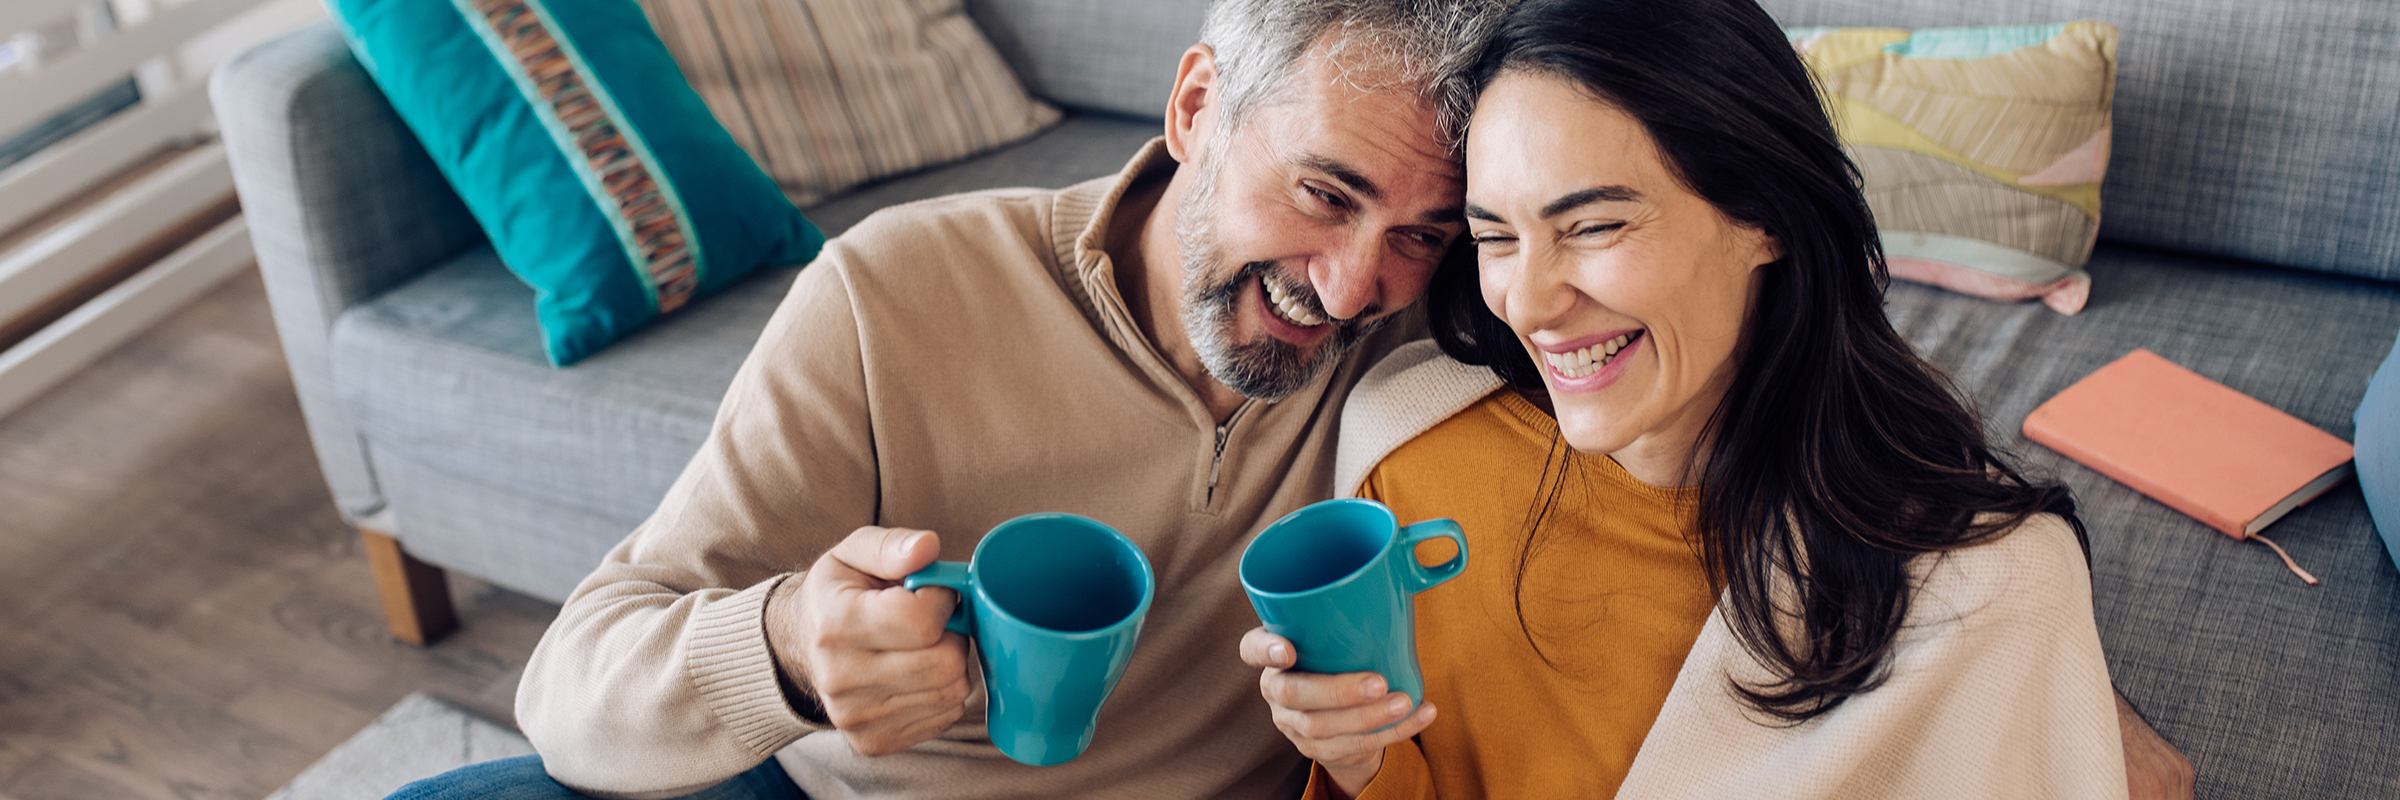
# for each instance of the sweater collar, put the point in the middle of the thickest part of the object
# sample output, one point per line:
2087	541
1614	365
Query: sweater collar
1081	223
1086	212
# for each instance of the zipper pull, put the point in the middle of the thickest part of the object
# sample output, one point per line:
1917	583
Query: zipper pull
1217	465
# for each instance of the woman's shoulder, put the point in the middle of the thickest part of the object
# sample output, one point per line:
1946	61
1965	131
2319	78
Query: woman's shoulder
1407	393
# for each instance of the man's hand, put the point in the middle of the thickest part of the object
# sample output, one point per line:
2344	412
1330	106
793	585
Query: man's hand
874	654
2154	769
1332	719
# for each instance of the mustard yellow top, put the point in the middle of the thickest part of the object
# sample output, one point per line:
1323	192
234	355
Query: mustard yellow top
1612	591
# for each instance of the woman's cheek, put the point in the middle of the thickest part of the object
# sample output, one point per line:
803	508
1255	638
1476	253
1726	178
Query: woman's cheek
1491	279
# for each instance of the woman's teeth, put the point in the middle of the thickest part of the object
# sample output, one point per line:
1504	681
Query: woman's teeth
1590	359
1288	307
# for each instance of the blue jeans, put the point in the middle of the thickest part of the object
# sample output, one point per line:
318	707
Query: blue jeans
522	778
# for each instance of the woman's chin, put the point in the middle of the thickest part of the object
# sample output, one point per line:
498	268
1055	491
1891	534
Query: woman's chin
1590	430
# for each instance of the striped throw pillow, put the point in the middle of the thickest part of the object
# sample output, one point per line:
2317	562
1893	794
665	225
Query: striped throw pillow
1982	148
828	94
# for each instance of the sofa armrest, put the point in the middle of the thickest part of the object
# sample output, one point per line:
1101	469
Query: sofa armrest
342	203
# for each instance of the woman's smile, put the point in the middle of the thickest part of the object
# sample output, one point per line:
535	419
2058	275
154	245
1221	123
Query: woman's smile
1585	364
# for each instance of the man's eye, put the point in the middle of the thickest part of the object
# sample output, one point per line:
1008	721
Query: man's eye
1595	230
1326	197
1493	239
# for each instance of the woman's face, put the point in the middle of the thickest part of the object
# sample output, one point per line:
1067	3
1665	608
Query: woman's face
1628	290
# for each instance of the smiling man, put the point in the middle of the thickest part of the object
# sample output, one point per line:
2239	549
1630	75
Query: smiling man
1164	350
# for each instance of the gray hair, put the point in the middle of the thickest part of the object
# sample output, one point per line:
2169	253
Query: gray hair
1423	44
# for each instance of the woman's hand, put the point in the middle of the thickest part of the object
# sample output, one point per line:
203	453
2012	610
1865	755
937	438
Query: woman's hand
1333	719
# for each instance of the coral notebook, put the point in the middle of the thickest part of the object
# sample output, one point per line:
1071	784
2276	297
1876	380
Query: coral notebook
2230	461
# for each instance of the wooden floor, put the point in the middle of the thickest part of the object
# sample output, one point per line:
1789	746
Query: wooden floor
182	614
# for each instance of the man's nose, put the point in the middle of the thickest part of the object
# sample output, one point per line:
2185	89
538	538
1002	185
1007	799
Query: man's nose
1349	278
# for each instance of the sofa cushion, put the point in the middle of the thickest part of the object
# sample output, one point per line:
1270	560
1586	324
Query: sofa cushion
2260	131
2273	687
1103	55
447	372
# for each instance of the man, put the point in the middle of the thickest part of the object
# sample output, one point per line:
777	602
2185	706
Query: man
1163	351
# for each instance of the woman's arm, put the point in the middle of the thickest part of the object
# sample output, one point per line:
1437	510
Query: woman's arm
1996	688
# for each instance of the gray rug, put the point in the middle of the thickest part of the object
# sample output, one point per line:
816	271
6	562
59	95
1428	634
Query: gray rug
420	737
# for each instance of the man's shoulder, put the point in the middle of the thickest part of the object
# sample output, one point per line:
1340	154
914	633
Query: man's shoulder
1404	391
956	219
985	231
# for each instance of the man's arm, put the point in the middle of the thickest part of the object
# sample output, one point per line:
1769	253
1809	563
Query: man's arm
2154	769
871	656
658	677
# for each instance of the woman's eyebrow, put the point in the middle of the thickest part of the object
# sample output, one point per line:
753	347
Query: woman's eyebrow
1583	197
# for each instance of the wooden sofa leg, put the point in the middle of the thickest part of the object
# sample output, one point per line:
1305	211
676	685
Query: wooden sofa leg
416	595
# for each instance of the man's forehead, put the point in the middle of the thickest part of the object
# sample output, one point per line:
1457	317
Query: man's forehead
1368	93
1382	150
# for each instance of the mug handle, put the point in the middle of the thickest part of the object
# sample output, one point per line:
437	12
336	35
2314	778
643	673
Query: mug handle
1421	577
952	574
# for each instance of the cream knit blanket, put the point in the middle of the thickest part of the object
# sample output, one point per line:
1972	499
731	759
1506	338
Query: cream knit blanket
1997	686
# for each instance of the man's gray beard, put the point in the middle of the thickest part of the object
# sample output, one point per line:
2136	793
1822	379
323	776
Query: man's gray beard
1270	368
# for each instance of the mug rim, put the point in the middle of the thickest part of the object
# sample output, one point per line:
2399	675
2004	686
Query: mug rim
1381	553
1140	610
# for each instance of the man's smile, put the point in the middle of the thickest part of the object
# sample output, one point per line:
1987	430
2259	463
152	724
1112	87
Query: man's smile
1288	315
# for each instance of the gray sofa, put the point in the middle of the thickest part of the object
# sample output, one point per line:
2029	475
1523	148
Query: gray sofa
2252	233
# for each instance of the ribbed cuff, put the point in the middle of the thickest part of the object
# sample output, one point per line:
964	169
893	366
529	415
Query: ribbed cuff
1404	774
731	666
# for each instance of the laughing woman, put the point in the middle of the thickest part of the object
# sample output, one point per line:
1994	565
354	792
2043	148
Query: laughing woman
1732	538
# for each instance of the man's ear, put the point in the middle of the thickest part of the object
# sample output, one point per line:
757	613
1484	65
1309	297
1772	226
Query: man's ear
1191	109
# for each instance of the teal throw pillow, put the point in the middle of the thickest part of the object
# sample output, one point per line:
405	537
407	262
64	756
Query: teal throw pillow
598	174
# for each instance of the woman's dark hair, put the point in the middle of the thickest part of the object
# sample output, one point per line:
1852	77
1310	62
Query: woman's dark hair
1837	454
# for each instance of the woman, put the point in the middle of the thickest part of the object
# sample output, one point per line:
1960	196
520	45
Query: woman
1732	537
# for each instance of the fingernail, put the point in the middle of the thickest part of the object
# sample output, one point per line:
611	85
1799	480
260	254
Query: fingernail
1371	687
1275	652
1399	705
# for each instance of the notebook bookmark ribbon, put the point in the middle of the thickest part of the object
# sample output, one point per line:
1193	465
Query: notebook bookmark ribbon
2287	559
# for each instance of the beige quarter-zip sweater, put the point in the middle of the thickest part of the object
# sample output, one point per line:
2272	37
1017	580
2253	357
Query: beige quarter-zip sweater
946	365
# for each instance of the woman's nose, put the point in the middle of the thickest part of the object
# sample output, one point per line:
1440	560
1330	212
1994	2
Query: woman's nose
1537	292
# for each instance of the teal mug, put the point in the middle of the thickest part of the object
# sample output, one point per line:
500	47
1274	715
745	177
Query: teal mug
1340	578
1054	603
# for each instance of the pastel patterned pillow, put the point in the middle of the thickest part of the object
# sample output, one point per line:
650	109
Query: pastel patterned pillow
1982	148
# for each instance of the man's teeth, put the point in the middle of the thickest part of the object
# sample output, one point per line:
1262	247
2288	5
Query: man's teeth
1288	307
1590	359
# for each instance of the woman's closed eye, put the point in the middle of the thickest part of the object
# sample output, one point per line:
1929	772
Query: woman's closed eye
1494	245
